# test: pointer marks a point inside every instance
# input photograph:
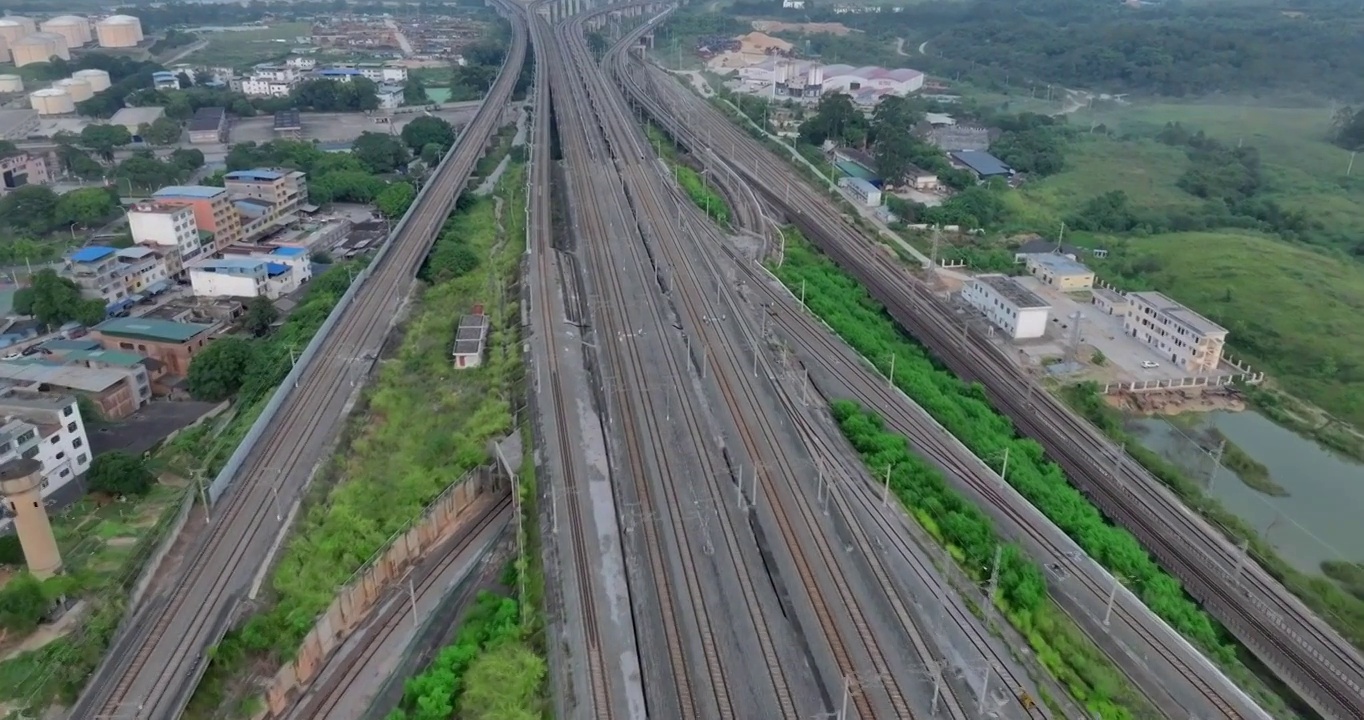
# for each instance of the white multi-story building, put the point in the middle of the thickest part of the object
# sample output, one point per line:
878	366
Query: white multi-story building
47	428
243	277
1188	339
265	87
1013	308
167	225
380	74
390	97
301	63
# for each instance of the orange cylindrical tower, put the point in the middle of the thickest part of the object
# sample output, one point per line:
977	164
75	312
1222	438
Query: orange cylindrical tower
21	487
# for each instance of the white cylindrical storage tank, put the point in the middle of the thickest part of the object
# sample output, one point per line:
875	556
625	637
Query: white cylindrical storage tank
14	28
79	90
4	50
52	101
11	84
39	48
74	28
98	80
118	31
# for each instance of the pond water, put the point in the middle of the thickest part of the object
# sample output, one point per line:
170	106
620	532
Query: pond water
1319	520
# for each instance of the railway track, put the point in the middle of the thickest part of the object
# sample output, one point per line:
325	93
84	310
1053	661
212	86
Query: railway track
155	663
325	699
819	566
1288	638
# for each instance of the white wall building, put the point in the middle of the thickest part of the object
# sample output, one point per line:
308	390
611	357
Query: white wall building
144	270
64	451
390	97
1010	306
301	63
265	87
849	79
861	190
243	277
1188	339
171	226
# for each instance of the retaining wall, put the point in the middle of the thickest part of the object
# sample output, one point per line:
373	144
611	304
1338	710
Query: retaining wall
368	584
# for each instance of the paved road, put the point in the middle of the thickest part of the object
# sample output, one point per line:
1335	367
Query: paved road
152	670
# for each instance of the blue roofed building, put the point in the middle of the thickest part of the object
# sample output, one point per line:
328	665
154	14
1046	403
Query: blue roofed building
243	276
982	164
99	273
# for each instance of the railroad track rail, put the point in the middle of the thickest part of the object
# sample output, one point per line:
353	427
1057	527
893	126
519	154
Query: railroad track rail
154	665
1319	665
325	698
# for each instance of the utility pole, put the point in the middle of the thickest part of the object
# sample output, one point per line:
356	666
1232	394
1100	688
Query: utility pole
984	691
885	492
1112	596
890	376
994	585
1216	464
412	595
1004	470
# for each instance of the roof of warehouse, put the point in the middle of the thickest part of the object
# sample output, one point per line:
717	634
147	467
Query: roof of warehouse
981	162
188	191
289	251
1009	289
207	118
1178	312
108	357
136	115
76	377
1060	264
151	328
91	254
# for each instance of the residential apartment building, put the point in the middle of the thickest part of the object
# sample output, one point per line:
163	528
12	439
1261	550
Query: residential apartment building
171	228
295	256
48	428
378	74
390	97
242	277
173	344
1011	307
117	383
144	271
266	87
213	212
22	169
99	274
1189	340
286	190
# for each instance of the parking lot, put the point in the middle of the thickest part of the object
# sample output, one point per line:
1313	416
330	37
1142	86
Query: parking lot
341	127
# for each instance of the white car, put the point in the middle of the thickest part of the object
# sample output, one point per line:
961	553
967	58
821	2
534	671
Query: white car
1148	364
13	356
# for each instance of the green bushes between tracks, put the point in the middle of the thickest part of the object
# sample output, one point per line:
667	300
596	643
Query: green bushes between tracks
963	409
969	536
702	194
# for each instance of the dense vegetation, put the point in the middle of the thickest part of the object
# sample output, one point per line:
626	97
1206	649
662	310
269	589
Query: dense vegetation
1177	49
964	411
332	177
969	537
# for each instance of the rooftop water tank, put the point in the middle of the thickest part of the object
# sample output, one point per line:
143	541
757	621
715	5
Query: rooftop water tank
11	84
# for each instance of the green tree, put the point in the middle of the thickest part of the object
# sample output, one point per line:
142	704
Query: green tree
219	371
53	300
11	552
414	92
260	314
102	139
162	131
395	199
85	206
428	130
432	153
22	603
120	473
31	207
380	153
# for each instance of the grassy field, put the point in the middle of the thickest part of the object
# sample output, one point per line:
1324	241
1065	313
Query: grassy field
247	47
1293	308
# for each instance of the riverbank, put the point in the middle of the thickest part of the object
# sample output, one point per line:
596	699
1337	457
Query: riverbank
1342	610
